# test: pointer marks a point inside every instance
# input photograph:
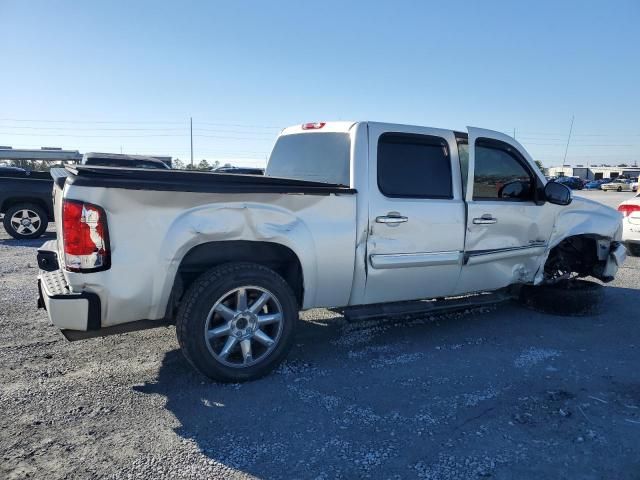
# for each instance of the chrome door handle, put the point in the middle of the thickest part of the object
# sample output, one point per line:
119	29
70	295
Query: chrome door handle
391	219
485	219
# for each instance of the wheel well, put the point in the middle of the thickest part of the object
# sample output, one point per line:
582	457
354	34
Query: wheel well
10	202
203	257
575	254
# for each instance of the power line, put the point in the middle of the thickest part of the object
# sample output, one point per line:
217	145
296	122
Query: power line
138	122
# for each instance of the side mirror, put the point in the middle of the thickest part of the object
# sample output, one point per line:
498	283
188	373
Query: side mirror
557	193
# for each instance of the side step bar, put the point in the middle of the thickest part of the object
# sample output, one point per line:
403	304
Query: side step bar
421	307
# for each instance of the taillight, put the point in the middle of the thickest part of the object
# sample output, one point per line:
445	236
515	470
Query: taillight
85	237
628	209
313	126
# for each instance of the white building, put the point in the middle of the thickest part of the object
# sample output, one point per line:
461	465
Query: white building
593	173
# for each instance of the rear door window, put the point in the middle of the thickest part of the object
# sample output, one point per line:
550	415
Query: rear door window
414	166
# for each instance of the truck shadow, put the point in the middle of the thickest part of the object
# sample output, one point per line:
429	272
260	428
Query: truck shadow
394	396
33	243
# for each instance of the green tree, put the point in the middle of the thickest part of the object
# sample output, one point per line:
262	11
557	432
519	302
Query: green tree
204	165
178	164
540	166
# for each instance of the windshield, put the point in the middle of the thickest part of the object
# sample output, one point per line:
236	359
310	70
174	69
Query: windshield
318	157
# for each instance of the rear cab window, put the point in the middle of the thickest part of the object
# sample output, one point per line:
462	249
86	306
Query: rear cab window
318	157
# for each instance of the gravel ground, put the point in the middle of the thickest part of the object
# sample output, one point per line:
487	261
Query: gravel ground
499	392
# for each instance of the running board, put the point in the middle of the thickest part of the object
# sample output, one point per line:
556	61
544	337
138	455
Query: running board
421	307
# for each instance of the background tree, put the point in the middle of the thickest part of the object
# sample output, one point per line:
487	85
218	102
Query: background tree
540	166
178	164
204	165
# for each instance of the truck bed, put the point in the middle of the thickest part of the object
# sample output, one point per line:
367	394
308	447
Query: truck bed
190	181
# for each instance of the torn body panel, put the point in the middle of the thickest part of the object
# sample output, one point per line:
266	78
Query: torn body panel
598	230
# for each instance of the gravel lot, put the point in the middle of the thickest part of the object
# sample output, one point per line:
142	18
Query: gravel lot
502	392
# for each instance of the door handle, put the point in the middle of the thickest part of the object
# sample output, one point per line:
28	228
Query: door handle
392	219
486	219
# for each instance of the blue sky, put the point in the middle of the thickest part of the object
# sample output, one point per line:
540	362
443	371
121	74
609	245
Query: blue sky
128	75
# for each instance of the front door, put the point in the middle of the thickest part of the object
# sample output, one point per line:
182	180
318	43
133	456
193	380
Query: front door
508	226
416	214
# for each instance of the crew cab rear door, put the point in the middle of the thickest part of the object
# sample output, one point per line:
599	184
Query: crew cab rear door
416	214
508	223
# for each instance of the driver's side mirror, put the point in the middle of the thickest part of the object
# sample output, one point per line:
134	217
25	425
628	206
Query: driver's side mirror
557	193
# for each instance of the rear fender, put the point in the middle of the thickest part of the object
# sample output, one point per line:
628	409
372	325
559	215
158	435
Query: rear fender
239	221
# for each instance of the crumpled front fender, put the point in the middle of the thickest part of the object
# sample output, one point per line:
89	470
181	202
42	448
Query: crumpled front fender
584	217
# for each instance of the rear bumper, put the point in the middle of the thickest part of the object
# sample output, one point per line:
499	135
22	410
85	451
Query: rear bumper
631	231
67	310
77	315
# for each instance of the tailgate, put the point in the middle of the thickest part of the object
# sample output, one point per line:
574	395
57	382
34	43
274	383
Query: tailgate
59	177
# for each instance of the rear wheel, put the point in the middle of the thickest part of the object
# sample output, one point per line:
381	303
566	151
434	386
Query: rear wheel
619	189
236	322
25	221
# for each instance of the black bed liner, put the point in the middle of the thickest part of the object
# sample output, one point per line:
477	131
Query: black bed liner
189	181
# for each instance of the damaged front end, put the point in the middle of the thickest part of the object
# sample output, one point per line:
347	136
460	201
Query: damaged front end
583	256
586	241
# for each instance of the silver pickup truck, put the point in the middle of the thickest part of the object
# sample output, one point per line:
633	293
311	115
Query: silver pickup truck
348	214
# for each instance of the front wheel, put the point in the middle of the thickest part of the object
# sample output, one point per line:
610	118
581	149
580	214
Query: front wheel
236	322
25	221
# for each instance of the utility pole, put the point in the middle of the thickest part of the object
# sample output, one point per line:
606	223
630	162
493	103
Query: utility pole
191	130
568	140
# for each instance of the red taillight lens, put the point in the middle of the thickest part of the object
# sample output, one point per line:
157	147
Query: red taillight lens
313	126
85	237
627	210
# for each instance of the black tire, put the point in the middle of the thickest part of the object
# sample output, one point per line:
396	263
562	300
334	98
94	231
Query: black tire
37	217
633	249
210	289
566	298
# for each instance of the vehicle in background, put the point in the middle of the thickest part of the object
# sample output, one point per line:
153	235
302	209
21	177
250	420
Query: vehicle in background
6	170
25	202
634	184
631	224
240	170
593	185
574	183
617	185
122	161
348	215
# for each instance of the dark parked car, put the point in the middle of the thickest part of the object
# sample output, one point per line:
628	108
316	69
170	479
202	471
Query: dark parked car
25	202
240	170
574	183
121	160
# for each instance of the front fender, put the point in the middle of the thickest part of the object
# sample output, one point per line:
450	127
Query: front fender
586	217
583	217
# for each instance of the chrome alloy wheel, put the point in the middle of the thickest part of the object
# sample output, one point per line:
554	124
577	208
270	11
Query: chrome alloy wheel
244	326
25	221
